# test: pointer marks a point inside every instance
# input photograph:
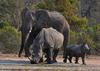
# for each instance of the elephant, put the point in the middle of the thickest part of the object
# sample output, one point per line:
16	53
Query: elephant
48	41
45	19
27	23
76	51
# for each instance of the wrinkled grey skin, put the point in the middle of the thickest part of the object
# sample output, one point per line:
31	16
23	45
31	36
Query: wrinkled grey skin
46	19
27	23
47	41
76	51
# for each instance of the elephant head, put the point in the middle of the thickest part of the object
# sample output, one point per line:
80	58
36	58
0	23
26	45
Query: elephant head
42	19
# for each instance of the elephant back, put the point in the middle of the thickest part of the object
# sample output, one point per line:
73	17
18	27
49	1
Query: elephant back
57	21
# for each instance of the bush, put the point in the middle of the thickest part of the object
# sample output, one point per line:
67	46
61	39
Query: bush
4	24
94	32
40	5
73	37
10	40
79	24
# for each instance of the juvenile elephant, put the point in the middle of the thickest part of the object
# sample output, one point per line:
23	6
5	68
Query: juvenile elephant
76	51
48	41
46	19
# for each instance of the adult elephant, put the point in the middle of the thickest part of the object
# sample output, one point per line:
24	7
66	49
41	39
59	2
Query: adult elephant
46	19
27	23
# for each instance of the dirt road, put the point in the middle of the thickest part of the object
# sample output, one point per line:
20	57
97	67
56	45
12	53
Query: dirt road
10	62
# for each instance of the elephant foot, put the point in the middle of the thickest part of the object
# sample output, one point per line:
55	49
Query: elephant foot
50	62
41	60
84	64
76	63
71	62
27	55
32	62
65	61
19	55
55	61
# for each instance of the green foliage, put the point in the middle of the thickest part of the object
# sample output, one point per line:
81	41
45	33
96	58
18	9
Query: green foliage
91	35
94	32
79	24
80	37
85	37
10	39
4	24
80	21
73	37
81	32
40	5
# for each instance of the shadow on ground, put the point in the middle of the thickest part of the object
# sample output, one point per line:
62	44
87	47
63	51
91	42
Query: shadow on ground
14	62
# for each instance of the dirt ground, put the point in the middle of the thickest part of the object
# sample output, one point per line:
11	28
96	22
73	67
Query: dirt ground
89	60
10	62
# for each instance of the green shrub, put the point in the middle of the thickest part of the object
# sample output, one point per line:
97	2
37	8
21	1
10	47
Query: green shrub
85	37
73	37
79	24
94	32
4	24
40	5
10	39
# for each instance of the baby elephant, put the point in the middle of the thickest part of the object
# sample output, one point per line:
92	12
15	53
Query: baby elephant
48	41
76	51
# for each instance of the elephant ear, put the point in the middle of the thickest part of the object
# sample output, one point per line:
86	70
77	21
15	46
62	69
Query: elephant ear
42	17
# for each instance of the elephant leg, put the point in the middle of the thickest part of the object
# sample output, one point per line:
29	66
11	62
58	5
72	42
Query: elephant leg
22	45
27	52
41	60
50	56
70	59
76	61
83	60
66	33
65	59
55	54
27	45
